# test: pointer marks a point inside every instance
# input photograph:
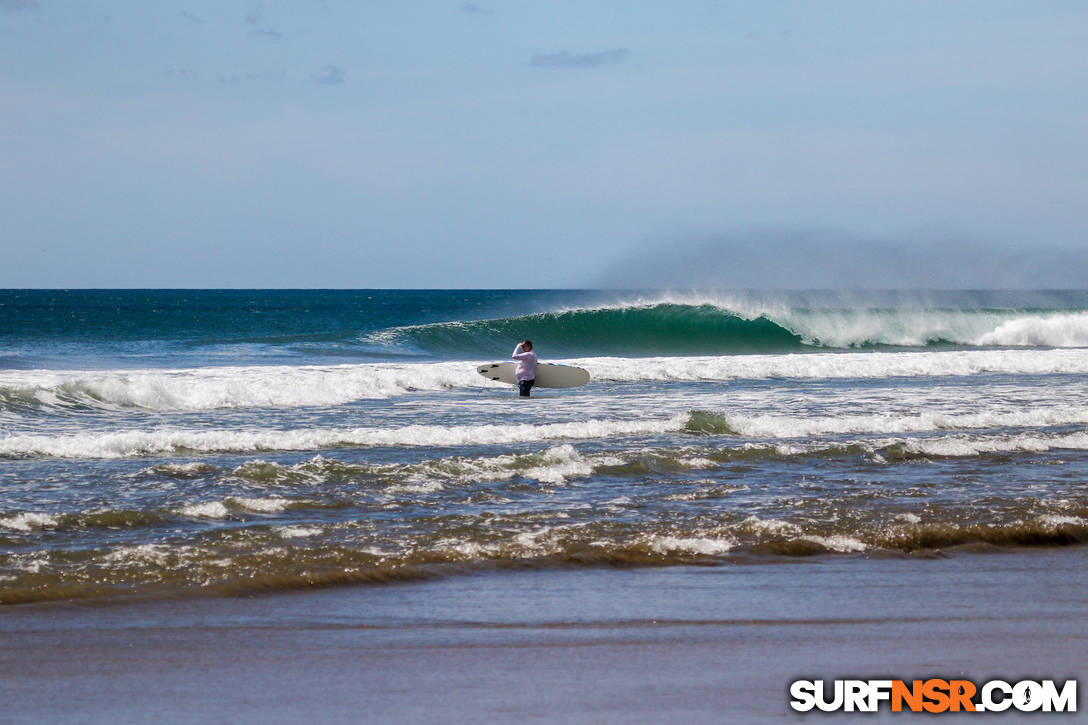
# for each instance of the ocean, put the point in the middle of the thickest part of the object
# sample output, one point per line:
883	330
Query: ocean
168	443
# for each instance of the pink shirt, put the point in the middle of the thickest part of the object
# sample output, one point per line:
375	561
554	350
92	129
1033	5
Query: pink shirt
526	364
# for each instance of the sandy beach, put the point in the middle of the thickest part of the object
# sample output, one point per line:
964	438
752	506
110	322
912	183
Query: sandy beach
696	644
807	283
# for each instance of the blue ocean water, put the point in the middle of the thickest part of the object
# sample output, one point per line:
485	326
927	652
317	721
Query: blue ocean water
170	442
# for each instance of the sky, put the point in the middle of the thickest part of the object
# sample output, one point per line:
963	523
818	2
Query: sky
501	144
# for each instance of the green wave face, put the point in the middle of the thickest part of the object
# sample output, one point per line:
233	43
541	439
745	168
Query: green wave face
662	329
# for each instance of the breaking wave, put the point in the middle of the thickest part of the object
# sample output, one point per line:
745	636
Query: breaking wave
285	557
124	444
700	327
218	388
169	441
662	328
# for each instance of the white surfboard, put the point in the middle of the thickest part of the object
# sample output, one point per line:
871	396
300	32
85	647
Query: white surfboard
548	375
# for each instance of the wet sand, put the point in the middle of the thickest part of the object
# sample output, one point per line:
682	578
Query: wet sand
679	644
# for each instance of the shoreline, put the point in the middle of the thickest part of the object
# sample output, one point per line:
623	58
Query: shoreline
706	644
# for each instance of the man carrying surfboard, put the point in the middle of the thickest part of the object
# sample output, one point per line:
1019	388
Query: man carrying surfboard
526	371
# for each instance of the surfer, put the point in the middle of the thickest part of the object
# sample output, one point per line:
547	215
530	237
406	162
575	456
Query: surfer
526	371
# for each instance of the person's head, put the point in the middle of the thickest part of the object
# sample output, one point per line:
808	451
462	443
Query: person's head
526	345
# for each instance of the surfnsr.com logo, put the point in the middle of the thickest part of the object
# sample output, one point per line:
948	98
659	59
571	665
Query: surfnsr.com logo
933	695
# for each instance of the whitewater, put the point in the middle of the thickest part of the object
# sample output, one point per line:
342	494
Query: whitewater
319	385
166	443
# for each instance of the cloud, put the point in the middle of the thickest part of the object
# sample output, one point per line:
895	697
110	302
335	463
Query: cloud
255	19
191	18
15	6
476	9
580	60
328	75
260	76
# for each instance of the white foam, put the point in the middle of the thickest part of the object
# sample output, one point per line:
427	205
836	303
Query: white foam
695	463
795	427
262	505
535	542
158	554
705	545
564	462
298	532
962	445
192	469
28	521
238	387
209	510
839	542
561	462
1051	330
140	443
556	465
553	465
770	527
310	385
955	445
467	550
1056	520
417	484
867	365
